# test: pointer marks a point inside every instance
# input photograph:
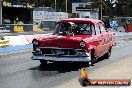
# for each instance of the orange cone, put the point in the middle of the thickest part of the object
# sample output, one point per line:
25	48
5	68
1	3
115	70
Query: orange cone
84	73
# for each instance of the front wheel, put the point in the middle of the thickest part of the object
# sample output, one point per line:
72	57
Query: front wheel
93	59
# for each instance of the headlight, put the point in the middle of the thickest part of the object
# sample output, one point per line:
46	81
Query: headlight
35	42
82	44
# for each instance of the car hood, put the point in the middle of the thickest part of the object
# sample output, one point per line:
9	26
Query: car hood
62	41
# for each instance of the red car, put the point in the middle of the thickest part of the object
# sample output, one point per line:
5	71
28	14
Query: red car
74	40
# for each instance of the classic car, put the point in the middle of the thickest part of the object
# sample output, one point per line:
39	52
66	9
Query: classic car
74	40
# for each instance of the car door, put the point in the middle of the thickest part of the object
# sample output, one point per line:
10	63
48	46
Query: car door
105	37
99	41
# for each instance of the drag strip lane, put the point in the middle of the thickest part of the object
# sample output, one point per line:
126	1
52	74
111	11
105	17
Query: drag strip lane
19	71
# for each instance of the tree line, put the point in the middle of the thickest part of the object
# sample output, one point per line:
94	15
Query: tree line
109	7
117	8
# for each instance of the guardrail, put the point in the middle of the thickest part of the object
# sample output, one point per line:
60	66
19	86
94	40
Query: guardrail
4	43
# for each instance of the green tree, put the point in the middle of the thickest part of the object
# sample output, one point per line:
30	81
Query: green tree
105	6
123	7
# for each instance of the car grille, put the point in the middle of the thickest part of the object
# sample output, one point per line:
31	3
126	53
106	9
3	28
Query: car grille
62	52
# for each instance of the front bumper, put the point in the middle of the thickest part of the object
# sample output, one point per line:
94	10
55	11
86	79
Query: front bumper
65	59
61	54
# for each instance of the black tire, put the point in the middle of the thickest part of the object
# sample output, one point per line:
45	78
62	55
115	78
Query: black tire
43	62
107	55
93	59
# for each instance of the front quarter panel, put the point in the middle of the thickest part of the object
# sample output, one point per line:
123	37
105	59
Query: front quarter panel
92	43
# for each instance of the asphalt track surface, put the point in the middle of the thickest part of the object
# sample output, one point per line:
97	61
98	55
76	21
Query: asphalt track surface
17	70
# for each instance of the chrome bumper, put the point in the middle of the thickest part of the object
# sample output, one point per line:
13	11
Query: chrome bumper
67	59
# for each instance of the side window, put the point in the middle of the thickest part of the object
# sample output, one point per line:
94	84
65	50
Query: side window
97	29
89	29
93	29
102	28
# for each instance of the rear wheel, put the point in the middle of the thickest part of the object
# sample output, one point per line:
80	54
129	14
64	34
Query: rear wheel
43	62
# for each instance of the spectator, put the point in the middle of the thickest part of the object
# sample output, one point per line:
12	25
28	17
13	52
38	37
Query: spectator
127	22
106	23
114	25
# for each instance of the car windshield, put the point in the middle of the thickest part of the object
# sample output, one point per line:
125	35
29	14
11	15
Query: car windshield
71	28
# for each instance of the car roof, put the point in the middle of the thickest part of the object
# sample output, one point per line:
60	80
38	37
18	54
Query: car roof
82	20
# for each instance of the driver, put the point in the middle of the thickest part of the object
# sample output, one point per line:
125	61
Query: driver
69	27
74	28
